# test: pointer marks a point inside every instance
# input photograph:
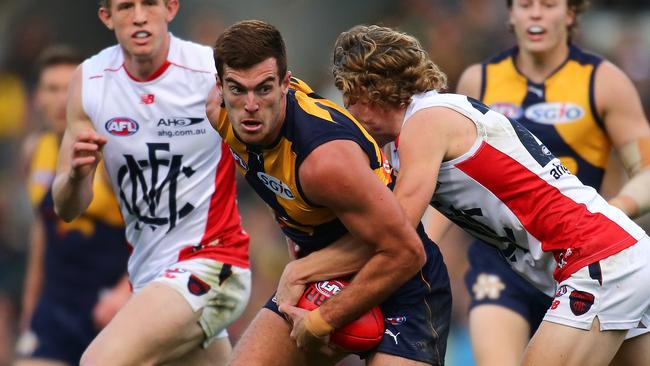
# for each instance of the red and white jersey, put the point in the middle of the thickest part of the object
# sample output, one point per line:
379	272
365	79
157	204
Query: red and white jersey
172	173
510	191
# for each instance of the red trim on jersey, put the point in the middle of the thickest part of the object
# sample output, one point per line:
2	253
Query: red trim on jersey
153	76
554	219
224	239
191	69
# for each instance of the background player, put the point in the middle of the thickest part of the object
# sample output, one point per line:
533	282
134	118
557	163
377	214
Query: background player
492	177
580	106
71	265
141	105
325	179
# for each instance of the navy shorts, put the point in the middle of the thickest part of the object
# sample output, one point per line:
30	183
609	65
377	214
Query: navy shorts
63	331
491	280
417	315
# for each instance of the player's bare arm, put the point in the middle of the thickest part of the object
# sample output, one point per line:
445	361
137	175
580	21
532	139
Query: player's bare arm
620	107
370	213
470	82
348	255
78	158
34	274
428	138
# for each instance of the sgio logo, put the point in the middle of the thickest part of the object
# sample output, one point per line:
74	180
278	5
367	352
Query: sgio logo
554	113
276	186
122	126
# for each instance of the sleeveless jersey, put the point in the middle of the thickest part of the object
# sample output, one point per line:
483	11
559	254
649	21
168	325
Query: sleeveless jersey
510	191
560	111
273	172
170	169
87	254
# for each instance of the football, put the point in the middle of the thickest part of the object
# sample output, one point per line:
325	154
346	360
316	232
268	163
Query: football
363	334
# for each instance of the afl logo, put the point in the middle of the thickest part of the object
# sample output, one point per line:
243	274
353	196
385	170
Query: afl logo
554	113
507	109
329	288
276	186
122	126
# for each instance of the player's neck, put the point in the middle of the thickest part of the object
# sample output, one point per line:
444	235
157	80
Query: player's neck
143	67
538	66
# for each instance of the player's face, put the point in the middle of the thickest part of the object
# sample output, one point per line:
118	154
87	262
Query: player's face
541	25
382	123
255	99
51	95
140	25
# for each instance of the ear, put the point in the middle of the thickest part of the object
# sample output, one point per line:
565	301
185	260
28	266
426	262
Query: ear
172	9
570	17
219	84
105	16
286	81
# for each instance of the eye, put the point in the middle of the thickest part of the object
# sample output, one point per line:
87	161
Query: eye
124	6
235	89
265	89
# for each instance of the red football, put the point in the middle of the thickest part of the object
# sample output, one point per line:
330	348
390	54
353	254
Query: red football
363	334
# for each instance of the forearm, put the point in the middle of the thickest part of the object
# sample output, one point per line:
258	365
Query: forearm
346	256
634	197
71	196
381	276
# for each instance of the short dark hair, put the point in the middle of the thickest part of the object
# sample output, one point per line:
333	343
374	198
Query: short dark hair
247	43
57	55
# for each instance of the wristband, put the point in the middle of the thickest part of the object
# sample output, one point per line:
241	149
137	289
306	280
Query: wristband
316	325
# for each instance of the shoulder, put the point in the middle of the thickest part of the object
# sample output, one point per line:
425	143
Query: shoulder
470	81
584	57
612	85
110	58
190	55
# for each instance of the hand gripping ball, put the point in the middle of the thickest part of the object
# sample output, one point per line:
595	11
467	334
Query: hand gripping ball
362	334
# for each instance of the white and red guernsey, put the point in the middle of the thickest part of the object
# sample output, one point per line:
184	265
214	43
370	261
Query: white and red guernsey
511	192
173	174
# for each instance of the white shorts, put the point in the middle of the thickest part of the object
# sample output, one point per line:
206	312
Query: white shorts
221	290
615	289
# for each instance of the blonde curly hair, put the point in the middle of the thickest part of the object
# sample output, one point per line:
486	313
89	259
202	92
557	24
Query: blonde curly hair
383	66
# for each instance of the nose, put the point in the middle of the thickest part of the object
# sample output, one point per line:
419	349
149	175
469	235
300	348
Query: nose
140	14
536	10
251	105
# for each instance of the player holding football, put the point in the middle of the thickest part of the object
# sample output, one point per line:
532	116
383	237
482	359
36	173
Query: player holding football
495	179
326	181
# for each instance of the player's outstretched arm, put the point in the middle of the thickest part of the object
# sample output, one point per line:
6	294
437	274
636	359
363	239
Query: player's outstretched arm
336	175
78	158
627	127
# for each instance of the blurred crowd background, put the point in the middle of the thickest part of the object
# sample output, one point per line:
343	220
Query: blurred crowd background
456	33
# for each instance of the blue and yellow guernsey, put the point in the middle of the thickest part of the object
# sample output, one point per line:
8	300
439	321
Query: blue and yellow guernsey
560	111
86	255
272	171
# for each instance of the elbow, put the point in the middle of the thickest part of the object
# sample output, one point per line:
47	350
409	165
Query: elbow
414	256
65	216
